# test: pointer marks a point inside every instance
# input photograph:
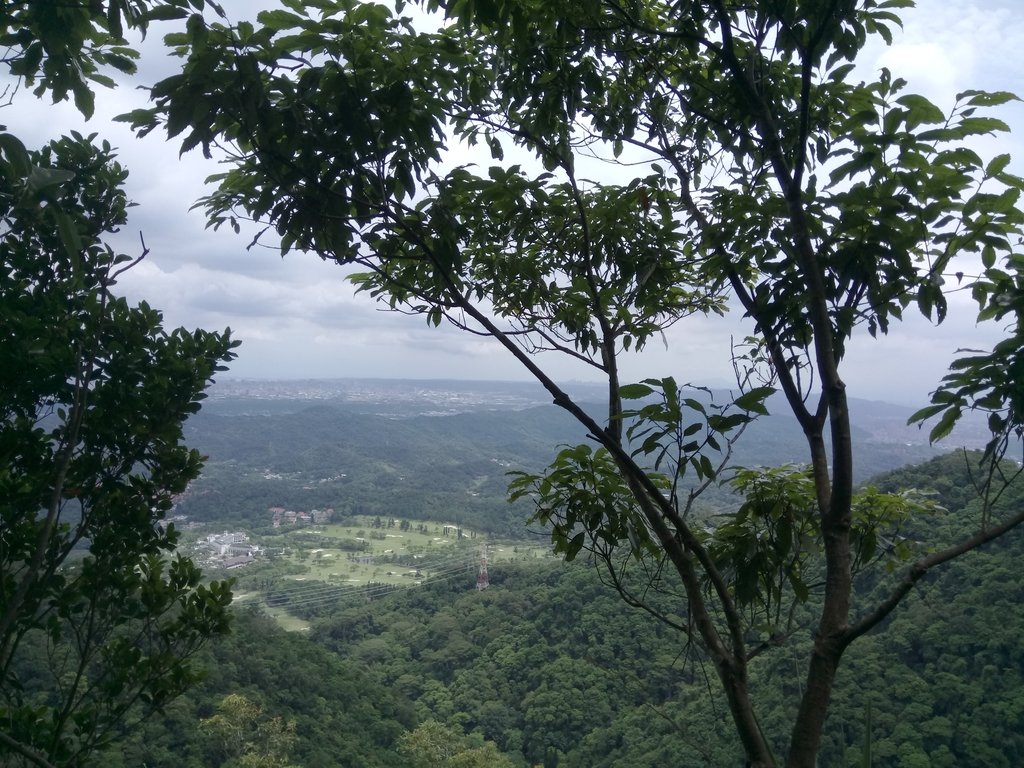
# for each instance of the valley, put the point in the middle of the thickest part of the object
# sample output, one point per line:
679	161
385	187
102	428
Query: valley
411	477
368	508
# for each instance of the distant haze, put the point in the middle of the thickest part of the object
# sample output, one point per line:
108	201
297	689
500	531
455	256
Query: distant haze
875	420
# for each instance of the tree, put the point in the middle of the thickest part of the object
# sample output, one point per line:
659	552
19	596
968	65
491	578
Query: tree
769	178
433	745
245	737
96	615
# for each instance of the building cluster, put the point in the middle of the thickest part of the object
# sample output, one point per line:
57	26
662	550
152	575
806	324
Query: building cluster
281	516
228	549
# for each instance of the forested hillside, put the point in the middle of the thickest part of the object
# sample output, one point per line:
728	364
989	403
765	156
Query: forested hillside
555	670
378	457
342	716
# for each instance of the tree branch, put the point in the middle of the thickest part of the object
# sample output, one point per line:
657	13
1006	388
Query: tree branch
918	570
25	751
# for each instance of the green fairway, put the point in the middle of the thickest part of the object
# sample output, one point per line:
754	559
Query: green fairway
362	556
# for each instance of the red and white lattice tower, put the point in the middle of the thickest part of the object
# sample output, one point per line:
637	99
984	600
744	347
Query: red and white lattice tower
482	580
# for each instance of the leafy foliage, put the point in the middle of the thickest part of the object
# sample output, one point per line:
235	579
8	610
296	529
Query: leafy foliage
97	618
63	48
770	548
96	392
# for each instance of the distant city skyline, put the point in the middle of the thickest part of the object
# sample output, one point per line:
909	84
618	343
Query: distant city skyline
298	317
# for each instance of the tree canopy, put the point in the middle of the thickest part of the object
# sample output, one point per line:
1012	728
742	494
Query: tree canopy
98	617
766	176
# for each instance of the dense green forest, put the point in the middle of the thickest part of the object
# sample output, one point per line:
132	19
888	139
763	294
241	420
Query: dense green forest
550	666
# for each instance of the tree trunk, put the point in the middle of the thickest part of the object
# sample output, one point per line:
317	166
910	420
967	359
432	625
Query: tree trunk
836	517
759	754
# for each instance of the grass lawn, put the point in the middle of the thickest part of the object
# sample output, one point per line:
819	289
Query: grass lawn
354	554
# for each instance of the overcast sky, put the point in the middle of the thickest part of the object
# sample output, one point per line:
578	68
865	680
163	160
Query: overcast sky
298	318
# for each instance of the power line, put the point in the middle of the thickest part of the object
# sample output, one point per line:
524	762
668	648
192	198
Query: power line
432	569
299	596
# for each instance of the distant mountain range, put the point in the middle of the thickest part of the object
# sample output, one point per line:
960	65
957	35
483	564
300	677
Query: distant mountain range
873	421
443	450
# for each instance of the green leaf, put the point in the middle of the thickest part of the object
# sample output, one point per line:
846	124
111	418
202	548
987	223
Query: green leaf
920	110
945	425
69	236
163	13
997	165
40	179
14	154
573	547
635	391
972	126
753	401
926	413
986	98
